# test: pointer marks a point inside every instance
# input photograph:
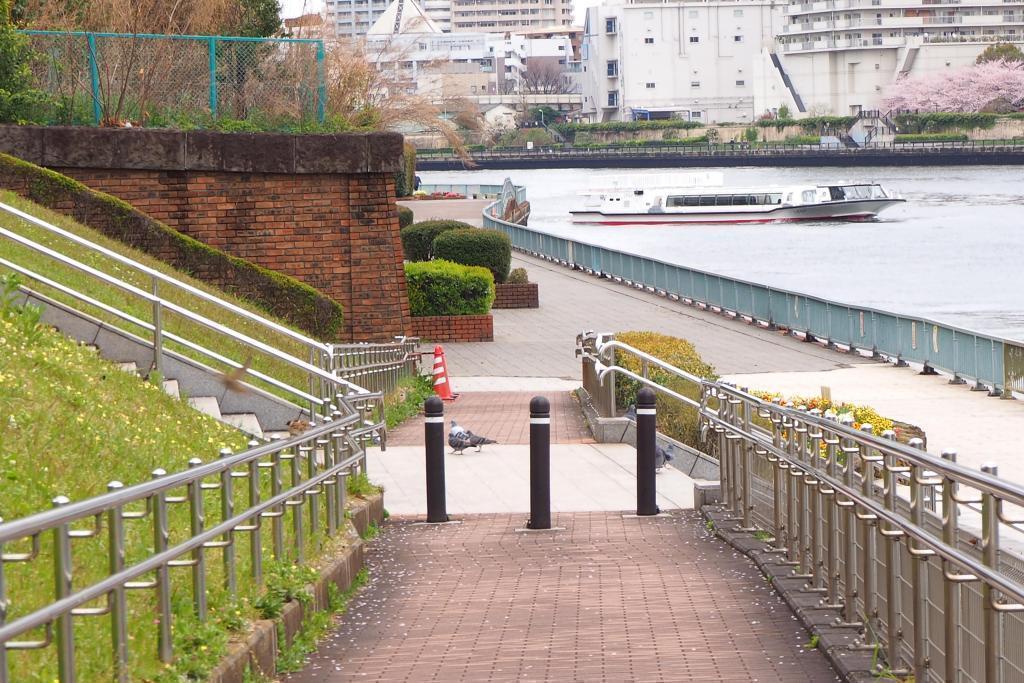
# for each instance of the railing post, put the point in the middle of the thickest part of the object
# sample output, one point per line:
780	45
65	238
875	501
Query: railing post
296	505
227	511
62	570
94	80
163	582
321	88
433	409
990	556
646	444
4	606
158	331
118	602
255	539
197	522
869	587
212	44
951	594
540	463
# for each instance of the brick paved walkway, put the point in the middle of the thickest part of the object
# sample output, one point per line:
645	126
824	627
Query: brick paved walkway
607	599
502	416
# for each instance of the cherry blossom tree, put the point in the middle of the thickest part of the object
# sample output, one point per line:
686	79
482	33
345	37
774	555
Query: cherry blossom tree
968	89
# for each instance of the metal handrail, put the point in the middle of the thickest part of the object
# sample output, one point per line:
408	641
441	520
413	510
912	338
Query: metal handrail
805	476
163	277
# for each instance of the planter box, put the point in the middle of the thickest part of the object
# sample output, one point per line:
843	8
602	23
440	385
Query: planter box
524	295
454	328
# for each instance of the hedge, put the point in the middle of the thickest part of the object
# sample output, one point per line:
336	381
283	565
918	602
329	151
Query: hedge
445	288
811	123
674	418
937	122
418	238
405	179
491	249
932	137
405	216
276	293
803	140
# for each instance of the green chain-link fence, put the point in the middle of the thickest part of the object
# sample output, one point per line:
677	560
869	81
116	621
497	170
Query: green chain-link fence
179	81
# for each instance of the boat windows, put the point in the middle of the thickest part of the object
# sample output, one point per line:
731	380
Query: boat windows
691	201
707	200
740	200
836	194
877	192
808	196
723	200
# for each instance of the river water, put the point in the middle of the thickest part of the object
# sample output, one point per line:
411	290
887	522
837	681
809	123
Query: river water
954	252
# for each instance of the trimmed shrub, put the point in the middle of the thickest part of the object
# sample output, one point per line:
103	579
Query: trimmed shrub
405	216
491	249
932	137
674	419
518	276
803	140
418	238
446	288
940	121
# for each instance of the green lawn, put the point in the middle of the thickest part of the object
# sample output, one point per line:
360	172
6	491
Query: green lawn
138	307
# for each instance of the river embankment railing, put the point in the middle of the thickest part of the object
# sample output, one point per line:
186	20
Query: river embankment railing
904	548
992	363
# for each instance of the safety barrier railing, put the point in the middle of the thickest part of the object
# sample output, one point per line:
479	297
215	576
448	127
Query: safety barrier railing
290	494
993	363
302	478
934	596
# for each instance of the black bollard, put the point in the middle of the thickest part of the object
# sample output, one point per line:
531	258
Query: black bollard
646	443
433	430
540	464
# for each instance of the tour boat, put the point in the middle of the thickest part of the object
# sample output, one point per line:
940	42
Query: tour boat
702	198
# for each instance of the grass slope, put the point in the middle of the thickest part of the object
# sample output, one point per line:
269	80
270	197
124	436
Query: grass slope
138	307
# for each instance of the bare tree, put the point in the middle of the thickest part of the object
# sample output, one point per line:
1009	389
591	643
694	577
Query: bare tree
546	78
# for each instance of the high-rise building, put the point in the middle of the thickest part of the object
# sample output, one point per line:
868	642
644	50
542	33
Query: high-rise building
355	18
498	16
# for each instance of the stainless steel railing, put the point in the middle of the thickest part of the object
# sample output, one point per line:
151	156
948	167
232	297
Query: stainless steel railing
938	595
299	478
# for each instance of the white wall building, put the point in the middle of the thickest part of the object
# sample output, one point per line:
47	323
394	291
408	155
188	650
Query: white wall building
842	54
694	60
716	60
355	18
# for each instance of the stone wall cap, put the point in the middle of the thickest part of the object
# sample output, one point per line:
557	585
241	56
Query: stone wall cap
160	149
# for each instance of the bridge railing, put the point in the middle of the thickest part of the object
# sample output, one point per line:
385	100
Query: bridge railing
993	363
934	590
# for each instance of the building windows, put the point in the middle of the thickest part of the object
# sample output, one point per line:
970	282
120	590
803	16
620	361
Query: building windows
650	86
613	68
609	26
648	41
737	13
694	14
613	98
740	84
694	39
737	39
694	84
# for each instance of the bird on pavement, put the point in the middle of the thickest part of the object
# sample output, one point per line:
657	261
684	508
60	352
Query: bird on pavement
460	438
663	456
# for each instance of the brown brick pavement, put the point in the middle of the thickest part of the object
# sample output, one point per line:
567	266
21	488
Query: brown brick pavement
607	599
503	416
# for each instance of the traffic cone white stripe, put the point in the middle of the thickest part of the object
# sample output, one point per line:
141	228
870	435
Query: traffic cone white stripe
440	380
438	370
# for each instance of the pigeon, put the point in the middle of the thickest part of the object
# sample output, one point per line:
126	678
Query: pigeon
663	456
460	438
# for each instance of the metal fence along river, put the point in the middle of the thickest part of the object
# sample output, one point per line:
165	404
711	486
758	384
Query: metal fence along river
990	362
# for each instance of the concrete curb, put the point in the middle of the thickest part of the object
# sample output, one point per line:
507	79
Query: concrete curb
853	666
259	649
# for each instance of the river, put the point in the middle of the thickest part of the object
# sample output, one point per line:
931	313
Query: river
953	252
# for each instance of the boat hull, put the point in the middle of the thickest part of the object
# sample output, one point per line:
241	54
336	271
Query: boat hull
852	210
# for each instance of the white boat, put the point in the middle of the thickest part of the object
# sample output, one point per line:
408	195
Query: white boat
702	198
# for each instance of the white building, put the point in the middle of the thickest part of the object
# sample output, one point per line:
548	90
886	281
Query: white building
355	18
715	60
694	60
498	16
842	54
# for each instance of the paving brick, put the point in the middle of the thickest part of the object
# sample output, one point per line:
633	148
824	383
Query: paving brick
607	599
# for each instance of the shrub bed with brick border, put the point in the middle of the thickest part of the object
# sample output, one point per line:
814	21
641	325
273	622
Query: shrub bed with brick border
516	295
454	328
257	652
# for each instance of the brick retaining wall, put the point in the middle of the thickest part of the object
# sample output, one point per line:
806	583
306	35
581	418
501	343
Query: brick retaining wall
317	207
516	295
454	328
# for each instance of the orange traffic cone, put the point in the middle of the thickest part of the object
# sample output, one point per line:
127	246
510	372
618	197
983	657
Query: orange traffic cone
442	387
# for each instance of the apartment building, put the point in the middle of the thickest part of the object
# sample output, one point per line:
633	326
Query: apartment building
841	55
699	60
354	18
503	16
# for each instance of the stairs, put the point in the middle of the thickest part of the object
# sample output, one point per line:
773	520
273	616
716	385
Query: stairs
787	82
251	410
